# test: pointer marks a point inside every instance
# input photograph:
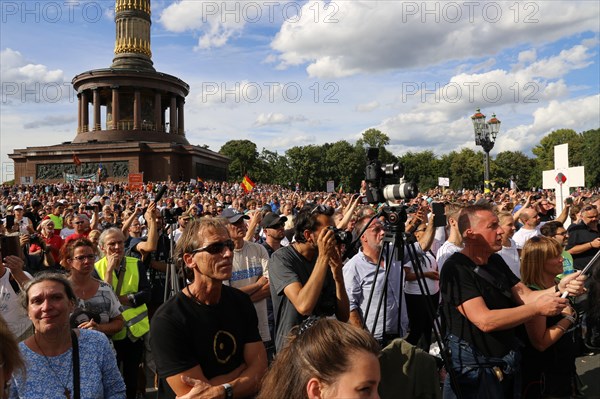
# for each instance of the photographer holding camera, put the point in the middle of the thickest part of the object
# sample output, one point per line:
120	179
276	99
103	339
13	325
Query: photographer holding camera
53	241
306	277
39	261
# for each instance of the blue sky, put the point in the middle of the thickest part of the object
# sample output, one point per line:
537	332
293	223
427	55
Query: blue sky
299	73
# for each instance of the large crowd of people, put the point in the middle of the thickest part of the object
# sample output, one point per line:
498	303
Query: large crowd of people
223	293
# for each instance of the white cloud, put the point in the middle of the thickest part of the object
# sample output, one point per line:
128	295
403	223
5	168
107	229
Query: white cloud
577	114
364	37
15	68
277	118
368	107
25	82
217	21
525	84
527	56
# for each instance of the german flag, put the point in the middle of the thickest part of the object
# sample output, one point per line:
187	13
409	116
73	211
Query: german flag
76	160
247	184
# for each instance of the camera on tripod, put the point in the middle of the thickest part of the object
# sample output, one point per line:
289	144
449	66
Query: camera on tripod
170	215
379	177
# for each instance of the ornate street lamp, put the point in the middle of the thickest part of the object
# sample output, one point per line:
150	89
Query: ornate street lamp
485	136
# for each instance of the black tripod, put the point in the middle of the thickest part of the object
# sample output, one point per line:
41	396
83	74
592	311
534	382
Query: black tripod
172	282
394	242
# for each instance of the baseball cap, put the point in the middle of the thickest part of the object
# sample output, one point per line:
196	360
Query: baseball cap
233	215
272	219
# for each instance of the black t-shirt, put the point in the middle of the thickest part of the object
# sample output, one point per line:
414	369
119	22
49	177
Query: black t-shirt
186	333
579	234
548	216
556	362
287	266
459	283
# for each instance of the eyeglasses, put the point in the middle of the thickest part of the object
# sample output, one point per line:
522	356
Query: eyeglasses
81	258
215	247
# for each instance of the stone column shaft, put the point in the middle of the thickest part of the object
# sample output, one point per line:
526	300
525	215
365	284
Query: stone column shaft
157	112
96	99
173	115
79	118
180	123
115	108
84	112
137	110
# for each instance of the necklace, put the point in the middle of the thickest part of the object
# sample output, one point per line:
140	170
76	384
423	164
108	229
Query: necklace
67	391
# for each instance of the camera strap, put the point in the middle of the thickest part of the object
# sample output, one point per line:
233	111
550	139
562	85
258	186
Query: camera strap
121	278
487	276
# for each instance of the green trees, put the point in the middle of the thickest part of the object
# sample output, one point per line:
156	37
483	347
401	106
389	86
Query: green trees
344	163
243	156
590	157
515	165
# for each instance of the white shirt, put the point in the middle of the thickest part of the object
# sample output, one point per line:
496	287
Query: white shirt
447	249
511	257
249	264
10	306
523	234
428	264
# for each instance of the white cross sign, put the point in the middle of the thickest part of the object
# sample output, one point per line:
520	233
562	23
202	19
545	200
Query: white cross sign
562	177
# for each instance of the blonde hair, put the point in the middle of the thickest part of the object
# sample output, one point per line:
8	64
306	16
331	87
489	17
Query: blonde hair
536	252
503	215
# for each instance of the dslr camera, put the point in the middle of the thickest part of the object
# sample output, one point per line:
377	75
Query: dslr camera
377	177
341	236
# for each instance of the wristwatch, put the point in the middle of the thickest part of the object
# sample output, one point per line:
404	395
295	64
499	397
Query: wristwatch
228	391
131	299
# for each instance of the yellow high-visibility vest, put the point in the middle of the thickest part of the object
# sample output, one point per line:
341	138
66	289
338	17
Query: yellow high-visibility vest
136	319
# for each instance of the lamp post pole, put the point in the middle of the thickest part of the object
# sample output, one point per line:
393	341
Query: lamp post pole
485	136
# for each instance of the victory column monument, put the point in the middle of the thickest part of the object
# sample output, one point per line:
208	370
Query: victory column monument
130	119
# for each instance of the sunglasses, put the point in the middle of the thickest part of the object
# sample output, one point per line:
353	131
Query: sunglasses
321	209
77	222
215	247
276	226
81	258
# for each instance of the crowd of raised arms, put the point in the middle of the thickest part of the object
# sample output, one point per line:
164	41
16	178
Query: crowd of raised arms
280	293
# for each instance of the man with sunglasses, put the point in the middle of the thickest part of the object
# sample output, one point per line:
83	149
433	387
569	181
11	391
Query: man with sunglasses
206	337
81	222
306	277
182	221
273	226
